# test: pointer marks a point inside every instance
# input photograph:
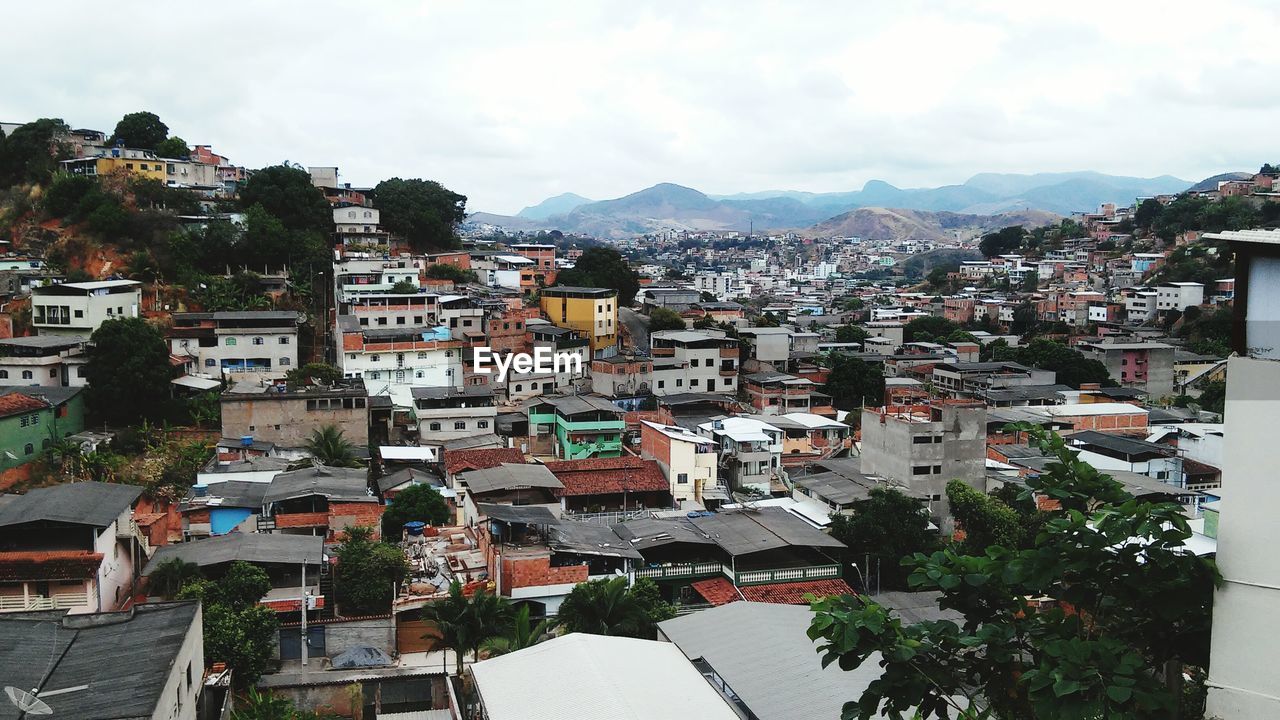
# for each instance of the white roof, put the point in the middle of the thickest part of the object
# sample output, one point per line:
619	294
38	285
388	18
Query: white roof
675	432
100	284
407	454
596	677
813	421
514	259
740	429
1082	409
197	383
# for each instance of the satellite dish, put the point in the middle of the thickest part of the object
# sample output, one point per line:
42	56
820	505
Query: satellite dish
27	702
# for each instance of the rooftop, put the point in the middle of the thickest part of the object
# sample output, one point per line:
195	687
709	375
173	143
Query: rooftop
249	547
599	476
86	503
479	458
349	484
509	477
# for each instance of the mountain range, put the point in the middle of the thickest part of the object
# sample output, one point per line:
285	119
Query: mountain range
1010	198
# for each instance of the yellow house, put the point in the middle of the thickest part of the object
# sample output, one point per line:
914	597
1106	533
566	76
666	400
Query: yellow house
138	162
591	311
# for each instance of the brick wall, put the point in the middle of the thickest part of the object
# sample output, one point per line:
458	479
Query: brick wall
343	515
537	572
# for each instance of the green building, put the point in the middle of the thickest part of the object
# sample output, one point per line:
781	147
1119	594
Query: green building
32	418
576	427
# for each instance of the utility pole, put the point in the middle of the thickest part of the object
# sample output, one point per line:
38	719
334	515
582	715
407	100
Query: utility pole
305	652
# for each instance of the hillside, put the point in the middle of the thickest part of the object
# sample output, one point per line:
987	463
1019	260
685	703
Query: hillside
901	224
1211	183
558	205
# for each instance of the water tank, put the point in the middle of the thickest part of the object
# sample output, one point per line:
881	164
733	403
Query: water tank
414	528
246	441
200	490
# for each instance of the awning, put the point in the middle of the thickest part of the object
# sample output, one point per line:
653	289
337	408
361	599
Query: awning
526	514
196	383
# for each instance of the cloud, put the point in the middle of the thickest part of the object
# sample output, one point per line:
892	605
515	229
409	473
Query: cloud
511	102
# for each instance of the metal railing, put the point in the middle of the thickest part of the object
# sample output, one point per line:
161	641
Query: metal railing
610	517
58	601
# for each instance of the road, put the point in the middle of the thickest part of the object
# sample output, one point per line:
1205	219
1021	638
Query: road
637	327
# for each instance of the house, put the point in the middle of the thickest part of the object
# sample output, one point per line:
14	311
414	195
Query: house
287	414
1179	296
253	341
144	662
774	393
580	677
973	379
284	558
707	361
105	161
1147	366
44	360
34	418
1106	451
321	501
393	360
71	546
593	312
80	308
688	460
925	446
226	506
806	436
750	452
359	226
607	484
449	413
675	299
518	484
772	672
575	427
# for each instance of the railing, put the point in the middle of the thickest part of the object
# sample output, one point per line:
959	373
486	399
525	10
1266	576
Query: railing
682	570
611	517
757	577
58	601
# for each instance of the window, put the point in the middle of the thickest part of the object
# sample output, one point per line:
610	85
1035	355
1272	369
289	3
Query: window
435	427
460	425
482	424
53	372
399	319
400	376
4	374
373	375
693	362
679	382
375	358
230	341
922	440
693	382
80	372
728	382
519	387
284	340
79	313
285	361
920	470
30	450
27	375
210	362
682	479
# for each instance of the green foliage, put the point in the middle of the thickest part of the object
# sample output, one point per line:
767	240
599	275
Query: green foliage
264	706
853	382
1003	241
465	623
314	372
366	571
985	520
1204	262
32	151
404	287
522	634
928	329
237	630
329	446
205	409
937	277
609	607
242	291
127	371
603	267
170	576
423	212
851	334
1071	366
182	463
142	130
65	193
664	319
888	526
174	148
1127	596
416	502
1213	397
151	193
448	271
285	193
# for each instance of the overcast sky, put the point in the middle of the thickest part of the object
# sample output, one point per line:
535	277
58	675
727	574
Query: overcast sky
509	103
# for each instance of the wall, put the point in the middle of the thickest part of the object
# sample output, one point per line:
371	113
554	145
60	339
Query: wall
178	697
286	421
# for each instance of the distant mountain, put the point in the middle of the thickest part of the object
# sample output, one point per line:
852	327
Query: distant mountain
901	224
1211	183
557	205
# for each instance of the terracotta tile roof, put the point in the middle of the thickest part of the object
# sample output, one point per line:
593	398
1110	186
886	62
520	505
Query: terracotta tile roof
719	591
49	565
598	476
16	403
479	459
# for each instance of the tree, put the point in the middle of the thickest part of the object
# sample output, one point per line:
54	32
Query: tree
851	334
609	607
174	147
522	634
938	276
1030	282
1145	215
984	520
853	382
603	267
664	319
883	529
465	623
170	576
404	287
329	446
416	502
448	271
424	212
1071	366
1002	241
1128	606
141	130
32	151
264	706
928	329
127	371
286	193
366	571
237	630
1213	396
314	372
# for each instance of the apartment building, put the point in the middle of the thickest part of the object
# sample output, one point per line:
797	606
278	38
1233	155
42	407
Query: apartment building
391	360
773	393
593	312
707	361
925	446
286	415
43	360
80	308
1147	366
688	460
253	341
575	427
450	413
1179	296
356	224
750	452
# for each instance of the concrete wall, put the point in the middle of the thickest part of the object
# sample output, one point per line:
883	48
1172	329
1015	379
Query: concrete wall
889	449
1243	682
186	677
286	421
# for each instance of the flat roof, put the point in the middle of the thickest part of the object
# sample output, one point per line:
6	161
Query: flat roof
566	289
44	341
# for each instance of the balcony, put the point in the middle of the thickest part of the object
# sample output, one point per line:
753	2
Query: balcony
56	601
681	570
781	575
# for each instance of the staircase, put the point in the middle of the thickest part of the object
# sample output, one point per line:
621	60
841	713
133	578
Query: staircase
326	589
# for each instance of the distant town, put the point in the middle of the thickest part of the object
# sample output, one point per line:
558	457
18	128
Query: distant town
272	443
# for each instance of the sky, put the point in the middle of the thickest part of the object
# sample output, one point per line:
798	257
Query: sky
513	102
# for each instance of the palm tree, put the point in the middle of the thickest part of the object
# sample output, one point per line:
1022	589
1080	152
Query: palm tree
329	445
604	607
522	634
465	623
169	577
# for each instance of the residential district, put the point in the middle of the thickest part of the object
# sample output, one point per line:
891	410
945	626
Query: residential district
250	460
